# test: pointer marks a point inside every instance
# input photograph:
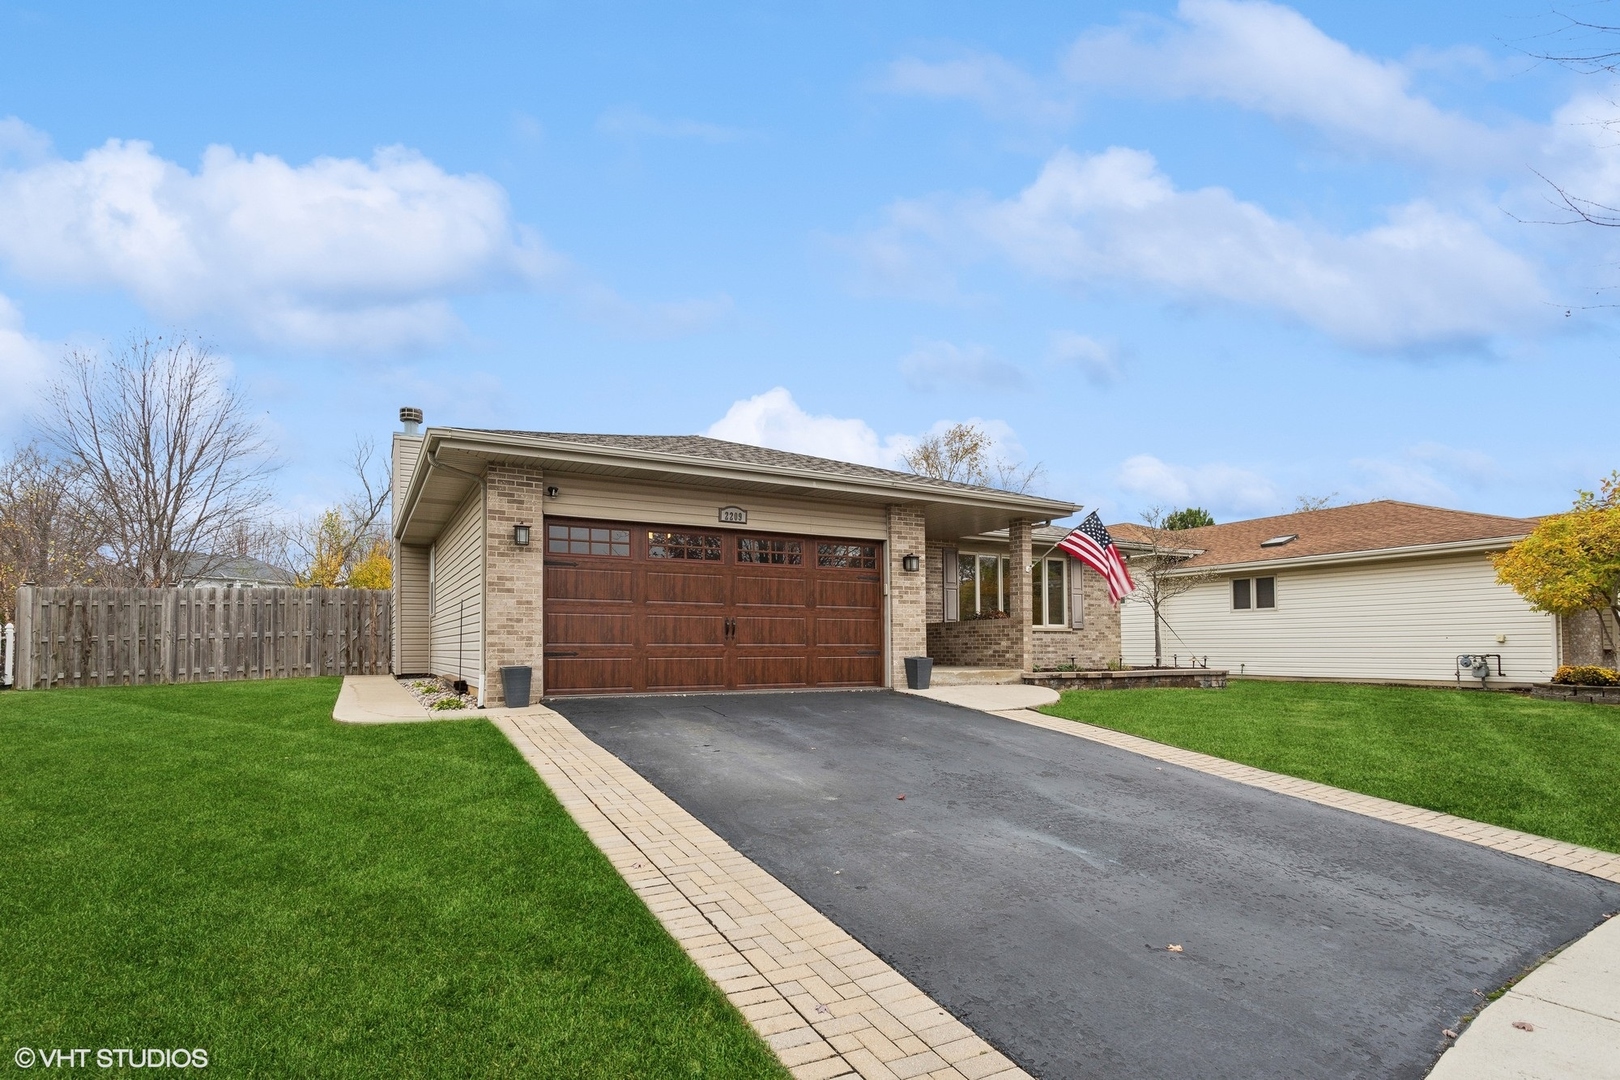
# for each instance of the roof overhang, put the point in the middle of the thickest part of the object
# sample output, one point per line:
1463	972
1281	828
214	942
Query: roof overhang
453	460
1412	551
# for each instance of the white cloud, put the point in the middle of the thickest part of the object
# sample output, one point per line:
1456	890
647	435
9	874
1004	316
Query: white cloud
1213	485
1099	363
631	122
1002	89
23	368
940	365
337	252
22	144
1271	59
1425	278
774	419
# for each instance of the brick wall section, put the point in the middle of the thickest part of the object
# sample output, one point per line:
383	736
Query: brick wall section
1018	590
1582	641
1093	645
908	605
934	583
513	577
980	643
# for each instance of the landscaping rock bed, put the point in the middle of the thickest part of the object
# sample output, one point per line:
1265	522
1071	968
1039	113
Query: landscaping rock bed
436	695
1130	679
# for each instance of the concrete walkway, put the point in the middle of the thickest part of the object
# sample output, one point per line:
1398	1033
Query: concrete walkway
380	699
1561	1022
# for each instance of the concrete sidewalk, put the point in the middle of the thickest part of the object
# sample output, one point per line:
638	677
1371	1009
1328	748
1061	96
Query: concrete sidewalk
380	699
1561	1022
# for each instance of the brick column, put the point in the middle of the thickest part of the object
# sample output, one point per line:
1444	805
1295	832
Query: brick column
513	577
1018	590
908	611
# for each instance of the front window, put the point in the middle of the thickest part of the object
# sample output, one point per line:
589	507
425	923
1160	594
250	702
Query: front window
983	585
1049	589
1251	593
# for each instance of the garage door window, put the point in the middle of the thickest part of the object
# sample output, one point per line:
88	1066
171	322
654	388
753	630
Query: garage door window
696	547
587	540
751	549
847	556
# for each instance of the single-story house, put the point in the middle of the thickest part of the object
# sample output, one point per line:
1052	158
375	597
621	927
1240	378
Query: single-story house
1375	591
232	572
651	563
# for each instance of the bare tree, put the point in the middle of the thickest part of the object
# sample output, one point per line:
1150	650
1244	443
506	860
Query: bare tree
165	452
1157	568
1303	503
45	535
328	547
962	452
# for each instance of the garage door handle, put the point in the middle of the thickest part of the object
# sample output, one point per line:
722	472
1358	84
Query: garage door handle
550	655
867	652
560	562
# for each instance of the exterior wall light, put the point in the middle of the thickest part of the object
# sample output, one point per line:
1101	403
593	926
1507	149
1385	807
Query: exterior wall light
910	563
520	535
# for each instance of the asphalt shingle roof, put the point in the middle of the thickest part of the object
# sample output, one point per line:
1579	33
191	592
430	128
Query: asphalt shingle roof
703	448
1337	530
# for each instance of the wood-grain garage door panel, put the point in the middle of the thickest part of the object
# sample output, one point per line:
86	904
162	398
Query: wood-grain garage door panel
769	612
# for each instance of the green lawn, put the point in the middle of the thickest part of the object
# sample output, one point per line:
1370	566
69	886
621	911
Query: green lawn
1545	767
222	866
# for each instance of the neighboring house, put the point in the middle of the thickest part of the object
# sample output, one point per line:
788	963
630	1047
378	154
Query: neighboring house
650	563
1377	591
232	572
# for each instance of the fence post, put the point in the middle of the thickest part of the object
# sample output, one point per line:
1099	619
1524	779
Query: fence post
25	638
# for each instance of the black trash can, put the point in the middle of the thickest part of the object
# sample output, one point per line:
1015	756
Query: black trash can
919	669
515	686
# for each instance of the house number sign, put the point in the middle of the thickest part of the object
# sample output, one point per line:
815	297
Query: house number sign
733	515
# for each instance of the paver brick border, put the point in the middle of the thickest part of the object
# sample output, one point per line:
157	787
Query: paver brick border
829	1007
1585	860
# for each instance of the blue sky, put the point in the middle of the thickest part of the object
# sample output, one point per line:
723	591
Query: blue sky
1214	253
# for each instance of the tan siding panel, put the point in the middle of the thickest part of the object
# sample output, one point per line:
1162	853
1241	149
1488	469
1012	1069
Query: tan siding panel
1404	620
458	596
606	500
413	640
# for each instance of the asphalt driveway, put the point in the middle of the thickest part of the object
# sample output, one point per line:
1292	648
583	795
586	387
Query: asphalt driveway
1030	882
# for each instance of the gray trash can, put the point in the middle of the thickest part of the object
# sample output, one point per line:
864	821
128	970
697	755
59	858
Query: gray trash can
919	669
515	686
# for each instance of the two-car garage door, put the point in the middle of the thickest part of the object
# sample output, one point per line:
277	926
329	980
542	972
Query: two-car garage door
636	608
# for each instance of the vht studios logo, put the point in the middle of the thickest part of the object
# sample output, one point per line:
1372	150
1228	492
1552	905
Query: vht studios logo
121	1057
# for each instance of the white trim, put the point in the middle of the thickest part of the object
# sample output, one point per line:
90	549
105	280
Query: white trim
1413	551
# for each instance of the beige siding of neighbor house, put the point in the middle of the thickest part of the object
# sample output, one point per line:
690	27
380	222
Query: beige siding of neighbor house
457	616
1398	620
609	500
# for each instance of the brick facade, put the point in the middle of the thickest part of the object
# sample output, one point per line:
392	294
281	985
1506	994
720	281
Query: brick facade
981	643
908	605
1018	590
1094	645
1582	640
513	577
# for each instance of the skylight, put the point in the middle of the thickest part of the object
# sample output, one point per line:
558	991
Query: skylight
1279	541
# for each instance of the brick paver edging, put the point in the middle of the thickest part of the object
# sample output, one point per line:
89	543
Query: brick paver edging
1601	864
826	1005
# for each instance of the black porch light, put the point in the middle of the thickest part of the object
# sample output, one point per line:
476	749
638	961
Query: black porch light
520	535
910	563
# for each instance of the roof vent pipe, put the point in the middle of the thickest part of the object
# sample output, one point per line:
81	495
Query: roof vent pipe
409	418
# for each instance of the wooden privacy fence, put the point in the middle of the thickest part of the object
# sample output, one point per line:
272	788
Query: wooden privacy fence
123	637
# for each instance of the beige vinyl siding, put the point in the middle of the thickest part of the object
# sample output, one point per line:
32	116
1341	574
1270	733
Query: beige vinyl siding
458	595
608	500
1400	620
413	652
405	450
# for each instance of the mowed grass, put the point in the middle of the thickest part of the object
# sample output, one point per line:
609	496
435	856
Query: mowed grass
1545	767
223	866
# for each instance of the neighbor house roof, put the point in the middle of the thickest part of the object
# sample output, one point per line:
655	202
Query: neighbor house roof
453	458
203	567
1360	529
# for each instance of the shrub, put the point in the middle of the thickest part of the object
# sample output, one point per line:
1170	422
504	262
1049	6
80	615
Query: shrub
1586	675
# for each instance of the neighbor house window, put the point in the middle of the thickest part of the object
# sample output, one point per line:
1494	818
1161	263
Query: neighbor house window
983	588
1049	589
1249	593
699	547
586	540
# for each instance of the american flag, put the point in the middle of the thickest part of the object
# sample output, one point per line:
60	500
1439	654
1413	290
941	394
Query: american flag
1092	545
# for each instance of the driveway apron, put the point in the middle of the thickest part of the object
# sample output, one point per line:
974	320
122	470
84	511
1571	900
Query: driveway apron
1094	913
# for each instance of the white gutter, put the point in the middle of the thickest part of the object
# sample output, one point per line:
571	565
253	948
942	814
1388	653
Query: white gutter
1411	551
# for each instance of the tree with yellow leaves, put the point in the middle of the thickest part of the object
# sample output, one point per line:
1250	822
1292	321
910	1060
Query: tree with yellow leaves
1571	562
346	546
